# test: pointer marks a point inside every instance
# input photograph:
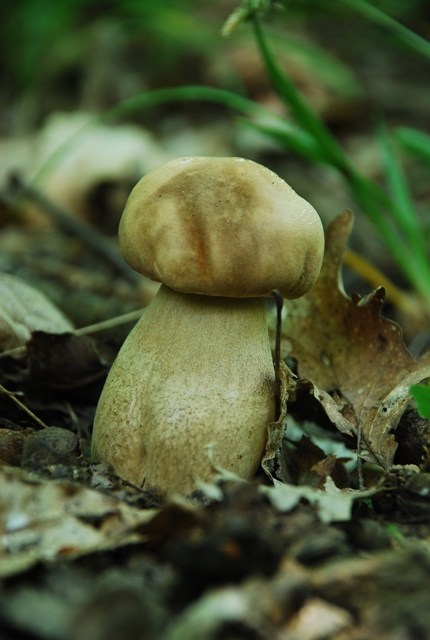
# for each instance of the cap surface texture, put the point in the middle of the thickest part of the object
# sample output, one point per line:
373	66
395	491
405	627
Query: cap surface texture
222	227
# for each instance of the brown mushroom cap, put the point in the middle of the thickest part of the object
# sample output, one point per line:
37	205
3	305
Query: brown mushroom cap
222	227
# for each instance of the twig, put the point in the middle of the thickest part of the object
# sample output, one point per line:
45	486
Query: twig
23	407
279	304
91	328
69	223
359	458
112	322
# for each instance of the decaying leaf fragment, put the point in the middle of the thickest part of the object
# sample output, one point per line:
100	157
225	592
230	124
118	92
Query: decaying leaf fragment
355	362
276	430
24	309
42	520
330	503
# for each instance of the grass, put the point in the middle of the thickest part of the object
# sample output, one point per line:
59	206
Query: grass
391	209
392	213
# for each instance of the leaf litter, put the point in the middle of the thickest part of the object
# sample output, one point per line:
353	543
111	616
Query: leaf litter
261	560
24	309
353	360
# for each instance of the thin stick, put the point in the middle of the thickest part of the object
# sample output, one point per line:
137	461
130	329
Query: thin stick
279	305
18	351
23	407
112	322
71	224
359	458
91	328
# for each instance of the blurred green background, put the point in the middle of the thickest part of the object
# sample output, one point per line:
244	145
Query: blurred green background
50	51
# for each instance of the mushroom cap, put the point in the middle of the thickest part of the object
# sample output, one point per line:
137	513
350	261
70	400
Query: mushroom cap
222	227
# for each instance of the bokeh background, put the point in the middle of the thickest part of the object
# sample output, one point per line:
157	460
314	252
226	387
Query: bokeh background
64	64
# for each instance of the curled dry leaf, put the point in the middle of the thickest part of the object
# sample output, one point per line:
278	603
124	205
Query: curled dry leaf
24	309
276	430
355	362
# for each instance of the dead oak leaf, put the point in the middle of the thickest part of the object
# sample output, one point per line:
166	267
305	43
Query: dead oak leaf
346	349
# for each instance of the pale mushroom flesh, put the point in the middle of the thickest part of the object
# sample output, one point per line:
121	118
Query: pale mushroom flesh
193	387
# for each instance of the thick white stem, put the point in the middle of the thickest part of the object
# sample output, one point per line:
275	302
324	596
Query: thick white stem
195	371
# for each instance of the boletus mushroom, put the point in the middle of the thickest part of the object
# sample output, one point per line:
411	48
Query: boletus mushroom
220	234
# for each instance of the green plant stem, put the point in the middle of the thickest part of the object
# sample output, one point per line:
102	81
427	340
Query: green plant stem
414	141
298	141
403	209
411	258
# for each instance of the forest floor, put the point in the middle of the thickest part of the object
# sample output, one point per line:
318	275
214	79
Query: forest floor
86	555
315	548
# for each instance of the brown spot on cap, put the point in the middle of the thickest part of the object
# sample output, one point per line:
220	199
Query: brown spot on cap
223	227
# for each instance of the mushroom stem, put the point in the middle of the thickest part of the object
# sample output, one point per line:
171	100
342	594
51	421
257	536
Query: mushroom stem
195	371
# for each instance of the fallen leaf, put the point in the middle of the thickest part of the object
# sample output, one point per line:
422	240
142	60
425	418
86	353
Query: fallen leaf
88	168
307	464
42	520
317	620
24	309
331	504
355	361
385	590
324	468
256	607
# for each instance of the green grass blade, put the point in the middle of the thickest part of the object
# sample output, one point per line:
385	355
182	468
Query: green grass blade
374	202
150	100
334	74
414	141
183	94
295	140
403	209
377	16
303	113
368	195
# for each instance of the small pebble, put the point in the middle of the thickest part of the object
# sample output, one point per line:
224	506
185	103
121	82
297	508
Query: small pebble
51	446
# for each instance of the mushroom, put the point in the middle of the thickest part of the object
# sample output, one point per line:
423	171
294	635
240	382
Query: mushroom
196	371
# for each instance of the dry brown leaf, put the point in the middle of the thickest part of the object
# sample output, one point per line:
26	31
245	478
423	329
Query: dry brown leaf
276	430
90	156
42	520
24	309
342	345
